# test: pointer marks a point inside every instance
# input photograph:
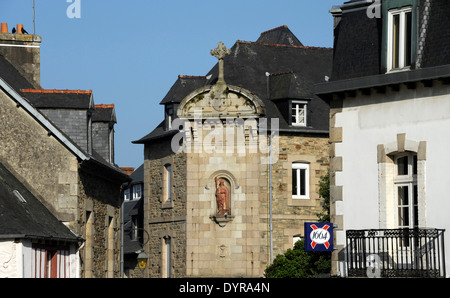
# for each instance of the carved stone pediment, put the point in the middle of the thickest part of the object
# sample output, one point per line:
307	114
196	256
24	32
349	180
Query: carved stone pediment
223	101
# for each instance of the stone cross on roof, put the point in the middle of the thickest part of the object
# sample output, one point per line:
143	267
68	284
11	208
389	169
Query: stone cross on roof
220	52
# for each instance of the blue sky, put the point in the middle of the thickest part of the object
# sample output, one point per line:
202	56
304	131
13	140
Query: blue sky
131	52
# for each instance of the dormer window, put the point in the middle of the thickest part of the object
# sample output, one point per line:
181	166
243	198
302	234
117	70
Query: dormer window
169	112
400	44
298	113
137	191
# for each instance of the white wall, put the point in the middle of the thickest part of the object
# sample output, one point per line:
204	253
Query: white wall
423	114
10	261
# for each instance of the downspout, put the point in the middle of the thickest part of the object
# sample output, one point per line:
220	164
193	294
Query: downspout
121	239
121	230
270	176
270	198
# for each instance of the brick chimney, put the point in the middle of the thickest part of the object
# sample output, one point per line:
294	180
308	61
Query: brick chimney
23	50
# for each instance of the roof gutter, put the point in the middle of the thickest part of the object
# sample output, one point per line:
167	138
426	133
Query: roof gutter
25	236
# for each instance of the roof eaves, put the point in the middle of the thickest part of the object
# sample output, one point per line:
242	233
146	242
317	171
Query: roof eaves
323	90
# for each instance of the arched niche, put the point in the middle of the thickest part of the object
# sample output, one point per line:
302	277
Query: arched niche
222	188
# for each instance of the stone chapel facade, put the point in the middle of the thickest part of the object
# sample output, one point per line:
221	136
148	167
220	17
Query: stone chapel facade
217	201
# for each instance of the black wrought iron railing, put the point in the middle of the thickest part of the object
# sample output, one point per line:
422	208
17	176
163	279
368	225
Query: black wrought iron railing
395	253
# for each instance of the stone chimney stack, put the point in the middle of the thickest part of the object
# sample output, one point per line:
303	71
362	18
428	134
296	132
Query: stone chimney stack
23	50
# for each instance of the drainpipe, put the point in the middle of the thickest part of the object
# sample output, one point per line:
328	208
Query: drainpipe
270	177
121	239
270	198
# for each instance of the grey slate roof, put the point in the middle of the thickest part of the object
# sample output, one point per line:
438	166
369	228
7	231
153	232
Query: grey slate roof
59	100
104	115
182	87
279	35
138	175
28	218
358	40
294	69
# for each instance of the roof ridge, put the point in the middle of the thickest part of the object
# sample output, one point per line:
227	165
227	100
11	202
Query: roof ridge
281	73
277	28
191	77
105	106
56	91
280	45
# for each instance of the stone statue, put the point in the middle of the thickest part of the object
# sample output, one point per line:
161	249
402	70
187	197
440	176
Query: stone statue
223	197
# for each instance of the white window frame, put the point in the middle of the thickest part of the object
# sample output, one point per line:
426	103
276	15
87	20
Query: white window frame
296	107
409	180
401	12
126	194
301	166
135	192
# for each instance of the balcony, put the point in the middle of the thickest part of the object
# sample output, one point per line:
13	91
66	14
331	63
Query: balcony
395	253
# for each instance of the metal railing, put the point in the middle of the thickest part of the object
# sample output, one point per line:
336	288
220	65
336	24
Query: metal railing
395	253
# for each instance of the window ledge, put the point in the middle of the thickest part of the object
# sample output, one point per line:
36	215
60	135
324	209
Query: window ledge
394	70
167	205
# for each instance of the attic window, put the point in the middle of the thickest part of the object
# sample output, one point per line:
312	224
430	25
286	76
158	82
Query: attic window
400	45
298	113
169	111
19	196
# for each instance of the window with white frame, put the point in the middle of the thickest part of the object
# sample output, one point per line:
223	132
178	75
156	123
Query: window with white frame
400	45
300	180
295	239
405	182
137	191
126	194
298	113
169	111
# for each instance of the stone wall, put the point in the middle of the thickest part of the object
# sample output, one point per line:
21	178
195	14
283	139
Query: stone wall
39	160
290	214
238	245
102	199
26	59
162	218
52	173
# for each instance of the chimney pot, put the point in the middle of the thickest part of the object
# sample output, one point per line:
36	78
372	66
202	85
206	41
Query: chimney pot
4	28
19	28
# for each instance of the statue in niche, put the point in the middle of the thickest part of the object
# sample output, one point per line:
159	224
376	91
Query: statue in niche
222	197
